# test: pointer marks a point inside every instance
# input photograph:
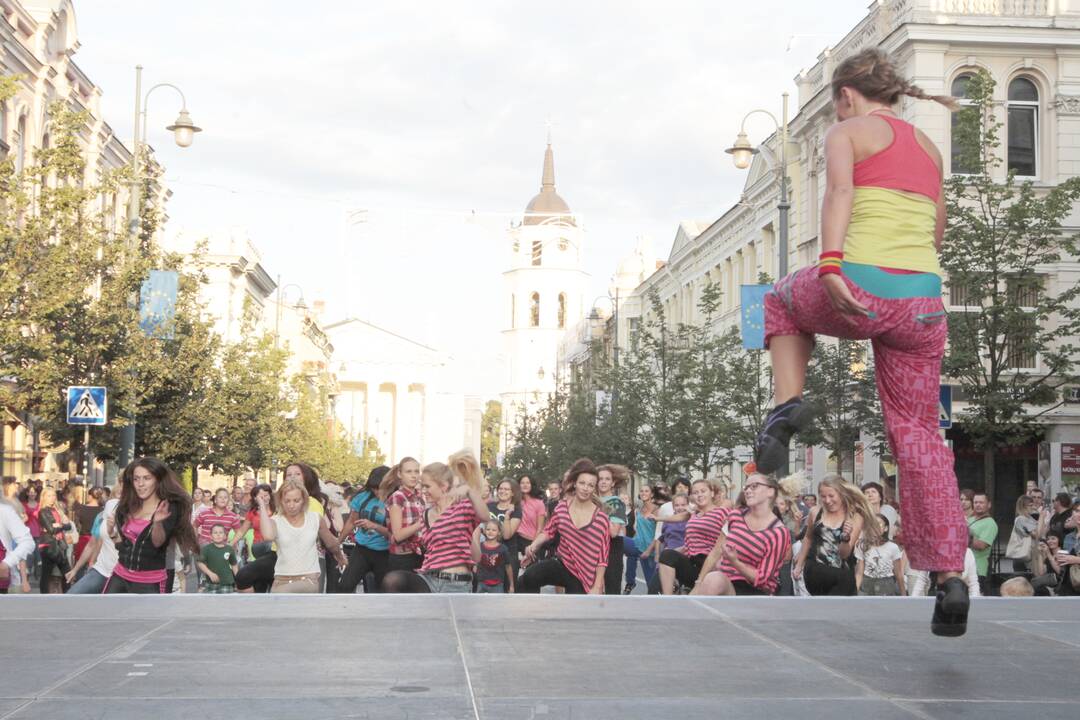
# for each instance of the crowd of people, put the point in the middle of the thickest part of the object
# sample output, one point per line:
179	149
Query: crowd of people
444	527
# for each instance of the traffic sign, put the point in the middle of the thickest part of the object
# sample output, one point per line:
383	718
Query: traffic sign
86	405
945	407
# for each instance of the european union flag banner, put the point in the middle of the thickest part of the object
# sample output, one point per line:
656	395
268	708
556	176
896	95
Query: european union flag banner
752	299
157	303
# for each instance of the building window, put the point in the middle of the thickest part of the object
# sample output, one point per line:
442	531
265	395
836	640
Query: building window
513	311
562	310
957	164
959	295
1020	348
537	252
1023	127
534	310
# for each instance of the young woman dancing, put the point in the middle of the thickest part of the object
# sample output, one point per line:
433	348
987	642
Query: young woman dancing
296	530
400	490
457	510
747	559
154	510
611	479
833	531
883	220
258	575
367	522
580	524
703	528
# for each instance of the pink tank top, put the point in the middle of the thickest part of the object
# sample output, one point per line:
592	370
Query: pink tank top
904	165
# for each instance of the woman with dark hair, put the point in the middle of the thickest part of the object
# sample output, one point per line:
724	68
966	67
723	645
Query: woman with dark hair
367	522
747	558
29	497
506	510
153	510
84	514
400	490
258	574
584	533
451	522
879	279
610	481
649	497
533	513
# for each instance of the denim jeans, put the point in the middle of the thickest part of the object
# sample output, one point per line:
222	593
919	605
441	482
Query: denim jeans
439	585
91	583
633	556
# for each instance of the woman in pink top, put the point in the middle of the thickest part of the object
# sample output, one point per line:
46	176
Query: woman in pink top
879	279
533	512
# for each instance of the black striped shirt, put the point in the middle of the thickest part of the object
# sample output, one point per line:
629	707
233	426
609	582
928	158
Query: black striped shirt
581	550
763	550
448	542
703	529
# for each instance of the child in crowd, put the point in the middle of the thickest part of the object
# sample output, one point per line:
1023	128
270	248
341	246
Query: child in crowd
493	567
880	567
217	562
673	534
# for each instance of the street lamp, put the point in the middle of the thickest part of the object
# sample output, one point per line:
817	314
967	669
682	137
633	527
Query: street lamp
183	130
743	152
594	316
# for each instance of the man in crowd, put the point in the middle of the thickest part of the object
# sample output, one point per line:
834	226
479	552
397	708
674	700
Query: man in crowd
983	530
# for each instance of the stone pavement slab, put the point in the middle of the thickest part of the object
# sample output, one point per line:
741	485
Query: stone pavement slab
548	657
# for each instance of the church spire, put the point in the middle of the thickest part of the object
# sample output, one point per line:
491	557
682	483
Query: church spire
547	183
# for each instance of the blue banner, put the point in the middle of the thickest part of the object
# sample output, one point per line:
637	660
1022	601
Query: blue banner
157	303
752	299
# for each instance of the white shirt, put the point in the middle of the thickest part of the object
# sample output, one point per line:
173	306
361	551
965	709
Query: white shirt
878	561
18	544
296	553
920	579
107	555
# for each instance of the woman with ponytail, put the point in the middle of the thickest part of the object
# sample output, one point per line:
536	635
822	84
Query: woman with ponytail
450	524
400	490
833	531
879	279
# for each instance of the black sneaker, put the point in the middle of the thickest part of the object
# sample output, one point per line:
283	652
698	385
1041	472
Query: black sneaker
628	589
771	446
951	609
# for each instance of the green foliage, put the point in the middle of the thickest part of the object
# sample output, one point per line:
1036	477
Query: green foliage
1001	237
490	429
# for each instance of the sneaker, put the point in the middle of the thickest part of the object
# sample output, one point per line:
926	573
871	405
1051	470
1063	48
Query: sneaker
771	446
951	609
628	589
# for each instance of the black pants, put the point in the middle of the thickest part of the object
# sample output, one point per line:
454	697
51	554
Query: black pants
549	572
827	580
613	572
404	581
364	560
119	586
687	569
47	565
258	574
407	561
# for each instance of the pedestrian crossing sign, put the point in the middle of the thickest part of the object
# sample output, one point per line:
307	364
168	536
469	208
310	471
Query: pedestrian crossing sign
86	405
945	407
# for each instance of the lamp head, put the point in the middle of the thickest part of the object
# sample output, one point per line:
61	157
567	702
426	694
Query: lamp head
184	129
742	151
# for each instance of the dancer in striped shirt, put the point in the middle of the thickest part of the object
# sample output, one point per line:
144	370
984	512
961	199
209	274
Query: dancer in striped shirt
584	534
456	511
746	560
703	529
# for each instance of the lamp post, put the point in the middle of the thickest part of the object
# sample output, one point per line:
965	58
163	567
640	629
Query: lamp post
743	152
183	130
594	316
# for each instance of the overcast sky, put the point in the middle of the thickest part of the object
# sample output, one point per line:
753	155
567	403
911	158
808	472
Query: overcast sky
432	117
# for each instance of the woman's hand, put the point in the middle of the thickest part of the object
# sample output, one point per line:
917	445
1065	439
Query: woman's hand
840	296
162	513
730	553
796	571
529	557
69	576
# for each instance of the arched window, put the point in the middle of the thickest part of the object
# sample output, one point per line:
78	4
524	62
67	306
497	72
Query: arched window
513	311
562	310
534	310
19	143
959	165
537	252
1023	127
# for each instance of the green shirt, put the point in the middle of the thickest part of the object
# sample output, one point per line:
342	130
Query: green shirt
984	529
219	560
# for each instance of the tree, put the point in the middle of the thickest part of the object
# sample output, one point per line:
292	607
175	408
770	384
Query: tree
490	433
840	389
1013	347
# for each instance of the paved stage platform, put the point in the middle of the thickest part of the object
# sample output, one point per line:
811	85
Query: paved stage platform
534	657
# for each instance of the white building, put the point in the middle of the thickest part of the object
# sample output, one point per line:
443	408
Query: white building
543	295
1032	51
401	392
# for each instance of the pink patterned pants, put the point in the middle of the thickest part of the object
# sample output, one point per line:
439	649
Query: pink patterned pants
908	337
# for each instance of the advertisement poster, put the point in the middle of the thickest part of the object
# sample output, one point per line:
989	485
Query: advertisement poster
1070	467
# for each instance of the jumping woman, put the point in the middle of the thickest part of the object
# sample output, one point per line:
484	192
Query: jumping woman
747	559
153	511
457	510
879	278
580	524
703	528
833	531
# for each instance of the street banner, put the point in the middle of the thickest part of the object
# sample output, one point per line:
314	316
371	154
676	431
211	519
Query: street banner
157	303
752	299
86	405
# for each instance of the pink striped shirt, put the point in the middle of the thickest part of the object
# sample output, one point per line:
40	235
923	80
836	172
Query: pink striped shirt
582	550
